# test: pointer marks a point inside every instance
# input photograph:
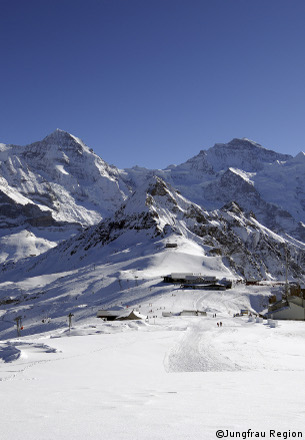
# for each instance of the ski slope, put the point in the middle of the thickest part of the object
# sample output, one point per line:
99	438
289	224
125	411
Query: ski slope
175	378
160	378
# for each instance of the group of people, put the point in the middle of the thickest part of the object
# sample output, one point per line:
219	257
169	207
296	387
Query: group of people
219	324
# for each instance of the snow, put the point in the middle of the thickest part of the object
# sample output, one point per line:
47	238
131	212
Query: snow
173	378
13	193
282	184
180	378
61	169
270	183
61	174
155	378
67	180
189	258
21	244
244	175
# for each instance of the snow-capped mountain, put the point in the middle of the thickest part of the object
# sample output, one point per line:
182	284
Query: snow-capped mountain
52	189
246	248
261	181
63	177
239	153
228	238
106	238
123	258
109	262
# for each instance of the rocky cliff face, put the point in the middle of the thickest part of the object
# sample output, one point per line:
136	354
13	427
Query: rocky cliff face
261	181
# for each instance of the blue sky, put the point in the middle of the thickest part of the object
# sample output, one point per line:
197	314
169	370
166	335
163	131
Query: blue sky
152	82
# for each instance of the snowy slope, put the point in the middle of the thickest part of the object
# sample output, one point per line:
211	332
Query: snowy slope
163	376
261	181
122	260
240	153
15	246
57	184
63	174
60	181
52	188
157	211
173	378
283	185
180	378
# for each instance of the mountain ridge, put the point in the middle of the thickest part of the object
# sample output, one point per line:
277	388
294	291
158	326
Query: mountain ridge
157	212
67	184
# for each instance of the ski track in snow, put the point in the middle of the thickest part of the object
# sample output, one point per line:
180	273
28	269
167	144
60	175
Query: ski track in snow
236	346
194	352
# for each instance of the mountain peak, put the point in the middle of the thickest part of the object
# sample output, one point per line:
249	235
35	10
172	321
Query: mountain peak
243	154
62	138
157	186
243	143
300	157
57	143
59	131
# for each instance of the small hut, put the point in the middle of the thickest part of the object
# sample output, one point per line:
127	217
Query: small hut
107	315
193	313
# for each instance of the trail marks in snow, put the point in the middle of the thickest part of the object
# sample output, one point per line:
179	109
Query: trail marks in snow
195	352
26	353
237	345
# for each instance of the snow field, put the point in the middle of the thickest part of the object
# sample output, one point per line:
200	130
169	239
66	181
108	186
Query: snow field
182	378
168	378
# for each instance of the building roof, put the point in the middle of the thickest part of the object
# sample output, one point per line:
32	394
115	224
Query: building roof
133	314
108	313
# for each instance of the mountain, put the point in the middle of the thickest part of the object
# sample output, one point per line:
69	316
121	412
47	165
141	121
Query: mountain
77	234
243	154
63	176
121	260
53	188
237	240
98	238
227	238
261	181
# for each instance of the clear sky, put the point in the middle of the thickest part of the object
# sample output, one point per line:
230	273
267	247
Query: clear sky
152	82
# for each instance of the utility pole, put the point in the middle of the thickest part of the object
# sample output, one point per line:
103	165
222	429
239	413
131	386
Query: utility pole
70	320
286	273
19	325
